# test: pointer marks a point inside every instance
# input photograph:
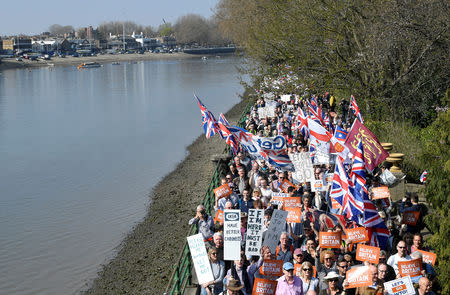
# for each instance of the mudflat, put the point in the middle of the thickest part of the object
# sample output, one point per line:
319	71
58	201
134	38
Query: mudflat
145	259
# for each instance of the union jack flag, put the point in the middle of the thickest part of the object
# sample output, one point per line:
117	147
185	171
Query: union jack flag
352	206
423	177
302	123
313	101
316	114
324	221
210	126
376	228
229	137
355	108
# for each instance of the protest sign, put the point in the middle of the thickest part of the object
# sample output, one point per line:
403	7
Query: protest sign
374	154
402	286
428	257
255	225
329	177
381	192
285	185
232	235
304	171
276	226
292	202
271	267
321	158
294	214
267	111
222	191
317	185
358	276
278	199
410	268
329	239
286	97
264	287
356	235
367	253
411	217
298	270
219	217
200	259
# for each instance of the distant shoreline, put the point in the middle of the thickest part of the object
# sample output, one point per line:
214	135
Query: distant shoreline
12	63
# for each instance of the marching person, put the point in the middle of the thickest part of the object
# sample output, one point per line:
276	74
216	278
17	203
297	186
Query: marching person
289	284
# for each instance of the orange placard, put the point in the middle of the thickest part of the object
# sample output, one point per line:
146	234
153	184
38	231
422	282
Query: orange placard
428	257
272	267
219	217
410	268
329	239
335	204
356	235
367	253
358	276
380	192
294	214
264	287
411	217
285	185
298	270
292	202
277	200
222	191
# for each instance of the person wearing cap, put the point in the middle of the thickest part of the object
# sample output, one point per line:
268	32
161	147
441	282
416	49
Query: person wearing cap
299	257
233	287
289	284
332	281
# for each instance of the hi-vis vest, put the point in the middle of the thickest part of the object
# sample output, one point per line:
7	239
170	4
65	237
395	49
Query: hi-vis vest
278	250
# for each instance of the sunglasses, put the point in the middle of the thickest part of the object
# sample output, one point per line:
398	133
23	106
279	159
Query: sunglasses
328	258
306	269
214	253
333	280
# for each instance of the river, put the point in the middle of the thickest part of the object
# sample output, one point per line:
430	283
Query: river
80	151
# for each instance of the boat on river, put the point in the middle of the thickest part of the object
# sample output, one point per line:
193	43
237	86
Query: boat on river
87	65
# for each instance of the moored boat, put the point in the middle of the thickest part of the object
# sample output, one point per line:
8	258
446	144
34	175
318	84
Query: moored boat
86	65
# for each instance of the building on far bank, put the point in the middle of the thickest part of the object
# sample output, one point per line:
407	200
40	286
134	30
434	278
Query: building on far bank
17	44
146	43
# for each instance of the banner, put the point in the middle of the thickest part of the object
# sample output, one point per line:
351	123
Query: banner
276	227
329	239
356	235
255	225
428	257
411	217
264	287
292	202
410	268
232	235
374	154
304	170
294	214
402	286
358	276
219	217
200	259
271	267
367	253
285	185
222	191
381	192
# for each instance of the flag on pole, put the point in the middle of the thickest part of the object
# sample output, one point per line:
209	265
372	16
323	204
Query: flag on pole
302	123
209	123
355	108
340	134
229	137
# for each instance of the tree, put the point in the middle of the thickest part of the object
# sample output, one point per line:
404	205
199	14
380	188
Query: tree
81	32
58	30
192	28
165	29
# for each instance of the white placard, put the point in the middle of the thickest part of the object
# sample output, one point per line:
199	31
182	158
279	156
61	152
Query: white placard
232	235
269	95
200	259
317	185
304	170
255	225
276	227
402	286
286	97
267	111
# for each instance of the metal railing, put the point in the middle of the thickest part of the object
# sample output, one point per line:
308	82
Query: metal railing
181	275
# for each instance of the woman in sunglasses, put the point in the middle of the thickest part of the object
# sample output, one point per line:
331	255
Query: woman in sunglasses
309	282
218	269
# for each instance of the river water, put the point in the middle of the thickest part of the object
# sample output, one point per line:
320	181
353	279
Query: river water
80	152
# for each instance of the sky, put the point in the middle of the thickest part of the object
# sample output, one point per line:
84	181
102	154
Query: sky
34	17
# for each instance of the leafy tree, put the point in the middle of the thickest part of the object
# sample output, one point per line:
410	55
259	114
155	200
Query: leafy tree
58	30
165	29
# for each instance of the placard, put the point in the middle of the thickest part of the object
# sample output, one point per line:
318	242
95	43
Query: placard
317	185
321	158
410	268
329	178
267	111
428	257
356	235
277	199
286	97
285	185
292	202
358	276
381	192
264	287
200	259
402	286
276	227
329	239
232	235
294	214
367	253
219	217
255	225
271	267
304	170
222	191
411	217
